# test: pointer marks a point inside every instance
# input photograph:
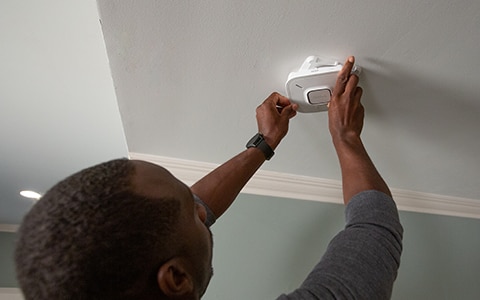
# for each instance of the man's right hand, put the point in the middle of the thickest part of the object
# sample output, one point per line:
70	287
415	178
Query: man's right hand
273	116
345	112
345	120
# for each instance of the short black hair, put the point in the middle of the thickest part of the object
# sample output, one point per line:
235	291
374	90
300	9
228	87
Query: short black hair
92	237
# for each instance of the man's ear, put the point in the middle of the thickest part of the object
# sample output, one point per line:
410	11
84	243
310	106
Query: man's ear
174	279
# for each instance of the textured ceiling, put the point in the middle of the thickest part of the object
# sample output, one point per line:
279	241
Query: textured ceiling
189	75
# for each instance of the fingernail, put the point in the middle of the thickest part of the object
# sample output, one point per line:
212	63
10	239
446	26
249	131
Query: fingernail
351	59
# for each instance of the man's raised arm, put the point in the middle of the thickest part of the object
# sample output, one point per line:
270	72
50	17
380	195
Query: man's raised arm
361	262
219	188
345	116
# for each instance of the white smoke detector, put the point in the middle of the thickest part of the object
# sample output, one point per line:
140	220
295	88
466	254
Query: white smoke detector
312	85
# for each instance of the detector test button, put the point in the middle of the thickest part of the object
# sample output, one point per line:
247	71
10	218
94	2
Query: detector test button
321	96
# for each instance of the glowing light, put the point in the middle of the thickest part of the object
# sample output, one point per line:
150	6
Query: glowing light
31	195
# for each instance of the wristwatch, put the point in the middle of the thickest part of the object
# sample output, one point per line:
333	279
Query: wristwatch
258	141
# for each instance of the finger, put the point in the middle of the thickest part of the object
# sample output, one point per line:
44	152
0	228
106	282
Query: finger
351	84
288	112
269	103
279	100
294	108
343	76
358	93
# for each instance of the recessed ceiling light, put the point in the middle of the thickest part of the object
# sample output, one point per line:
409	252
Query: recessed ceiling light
31	195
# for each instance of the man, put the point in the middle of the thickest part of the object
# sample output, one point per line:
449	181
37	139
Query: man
130	230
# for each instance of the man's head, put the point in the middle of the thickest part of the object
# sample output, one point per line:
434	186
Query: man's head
119	230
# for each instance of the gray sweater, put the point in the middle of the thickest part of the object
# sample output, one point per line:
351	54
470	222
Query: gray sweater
361	262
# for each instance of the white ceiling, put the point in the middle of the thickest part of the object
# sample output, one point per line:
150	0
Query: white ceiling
188	76
58	112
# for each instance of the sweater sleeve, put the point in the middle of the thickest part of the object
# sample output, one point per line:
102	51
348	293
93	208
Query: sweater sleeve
361	261
210	216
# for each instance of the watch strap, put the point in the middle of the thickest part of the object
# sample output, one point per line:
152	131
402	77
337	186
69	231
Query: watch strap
258	141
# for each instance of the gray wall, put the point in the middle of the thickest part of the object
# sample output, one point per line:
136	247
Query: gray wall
265	246
7	275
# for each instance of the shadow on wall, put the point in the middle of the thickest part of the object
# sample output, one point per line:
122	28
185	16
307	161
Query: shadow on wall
413	98
425	125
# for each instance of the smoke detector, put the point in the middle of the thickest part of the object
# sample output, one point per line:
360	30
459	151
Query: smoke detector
312	85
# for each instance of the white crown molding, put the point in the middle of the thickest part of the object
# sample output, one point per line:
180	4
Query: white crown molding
10	292
8	227
292	186
275	184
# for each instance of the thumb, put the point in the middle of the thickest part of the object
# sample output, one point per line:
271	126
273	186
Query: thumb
288	112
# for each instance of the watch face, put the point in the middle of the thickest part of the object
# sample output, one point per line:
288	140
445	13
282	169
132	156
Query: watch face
259	142
258	139
255	140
